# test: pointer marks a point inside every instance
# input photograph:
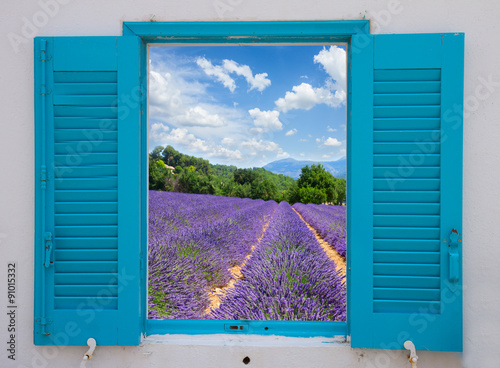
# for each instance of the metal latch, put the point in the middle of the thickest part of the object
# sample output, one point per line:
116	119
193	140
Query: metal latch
453	255
47	237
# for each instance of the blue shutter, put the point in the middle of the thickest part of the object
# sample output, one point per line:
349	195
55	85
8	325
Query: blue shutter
87	207
406	280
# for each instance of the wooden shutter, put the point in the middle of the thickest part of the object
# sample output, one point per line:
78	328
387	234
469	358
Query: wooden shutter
87	218
405	257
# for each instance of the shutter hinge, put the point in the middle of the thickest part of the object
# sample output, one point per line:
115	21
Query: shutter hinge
43	176
47	238
43	322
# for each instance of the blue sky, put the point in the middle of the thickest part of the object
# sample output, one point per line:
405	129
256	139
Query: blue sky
249	105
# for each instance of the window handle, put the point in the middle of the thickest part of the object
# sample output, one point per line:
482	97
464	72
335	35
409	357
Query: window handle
453	255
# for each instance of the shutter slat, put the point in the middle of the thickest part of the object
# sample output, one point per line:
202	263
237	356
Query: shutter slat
407	136
406	209
94	171
392	172
78	123
405	294
406	184
406	124
86	219
413	159
418	282
86	112
86	266
81	242
86	255
86	159
86	135
72	231
405	257
405	306
406	220
75	303
406	196
407	87
380	232
418	111
407	269
86	100
86	195
410	245
86	207
86	279
86	77
86	183
407	75
69	89
406	99
88	291
414	147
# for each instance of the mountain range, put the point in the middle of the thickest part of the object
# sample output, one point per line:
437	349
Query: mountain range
291	167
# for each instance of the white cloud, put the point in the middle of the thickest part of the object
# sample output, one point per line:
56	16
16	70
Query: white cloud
181	137
302	154
326	156
330	129
318	140
216	71
305	96
222	74
227	141
342	151
334	61
260	145
334	91
258	82
333	142
198	116
266	120
283	155
291	132
303	140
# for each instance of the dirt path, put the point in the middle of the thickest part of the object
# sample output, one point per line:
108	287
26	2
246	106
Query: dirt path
236	275
339	261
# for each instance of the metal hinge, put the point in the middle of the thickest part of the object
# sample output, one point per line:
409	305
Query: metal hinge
47	238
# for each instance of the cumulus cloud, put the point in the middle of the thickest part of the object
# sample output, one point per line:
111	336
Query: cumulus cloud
216	71
334	91
330	129
305	97
181	137
259	82
333	60
332	142
260	145
266	120
291	132
222	74
326	156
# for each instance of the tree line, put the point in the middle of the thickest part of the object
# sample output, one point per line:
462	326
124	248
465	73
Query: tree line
172	171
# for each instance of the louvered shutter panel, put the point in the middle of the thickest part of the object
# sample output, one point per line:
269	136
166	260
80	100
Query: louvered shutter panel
87	221
406	269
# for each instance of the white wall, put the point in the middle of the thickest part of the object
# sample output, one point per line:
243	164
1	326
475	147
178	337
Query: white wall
478	19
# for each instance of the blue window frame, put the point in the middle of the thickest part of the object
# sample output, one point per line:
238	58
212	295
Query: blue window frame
404	184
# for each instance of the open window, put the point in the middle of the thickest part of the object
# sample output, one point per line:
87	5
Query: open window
404	159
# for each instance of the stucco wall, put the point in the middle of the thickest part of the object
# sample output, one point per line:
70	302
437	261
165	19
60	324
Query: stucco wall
479	21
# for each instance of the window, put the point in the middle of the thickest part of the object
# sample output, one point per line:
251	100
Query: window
404	273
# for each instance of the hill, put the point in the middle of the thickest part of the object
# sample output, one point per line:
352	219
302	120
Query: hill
291	167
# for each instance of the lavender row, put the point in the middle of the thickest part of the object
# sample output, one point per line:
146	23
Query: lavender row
190	258
288	277
329	222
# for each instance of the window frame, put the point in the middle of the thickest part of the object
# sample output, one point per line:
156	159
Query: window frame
244	33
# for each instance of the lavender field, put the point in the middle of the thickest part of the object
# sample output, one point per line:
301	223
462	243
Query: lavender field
230	258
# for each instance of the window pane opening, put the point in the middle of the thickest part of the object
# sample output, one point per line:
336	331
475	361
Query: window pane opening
247	180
